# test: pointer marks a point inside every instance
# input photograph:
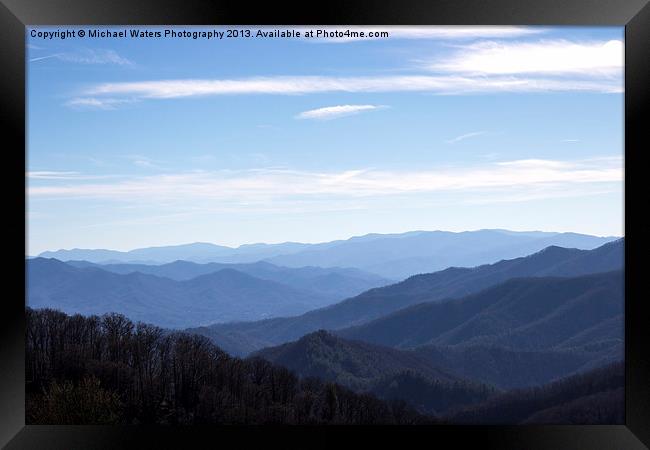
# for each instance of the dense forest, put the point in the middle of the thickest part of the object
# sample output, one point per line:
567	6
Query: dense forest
385	372
594	397
109	370
424	380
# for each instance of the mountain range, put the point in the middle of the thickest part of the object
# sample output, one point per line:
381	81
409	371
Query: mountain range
456	353
450	283
521	313
392	256
221	296
363	366
520	333
520	339
334	283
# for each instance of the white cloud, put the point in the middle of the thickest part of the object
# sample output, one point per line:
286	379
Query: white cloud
538	163
88	56
447	84
464	136
64	176
270	185
144	162
96	103
479	67
546	193
553	57
51	175
332	112
40	58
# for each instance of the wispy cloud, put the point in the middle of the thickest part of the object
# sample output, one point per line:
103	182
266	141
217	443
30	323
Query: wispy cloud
447	84
571	140
62	175
551	57
88	56
333	112
264	185
543	193
503	66
40	58
538	164
462	137
144	162
97	103
52	175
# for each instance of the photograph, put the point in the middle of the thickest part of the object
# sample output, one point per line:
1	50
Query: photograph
325	225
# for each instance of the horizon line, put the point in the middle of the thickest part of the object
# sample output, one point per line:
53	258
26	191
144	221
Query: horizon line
323	242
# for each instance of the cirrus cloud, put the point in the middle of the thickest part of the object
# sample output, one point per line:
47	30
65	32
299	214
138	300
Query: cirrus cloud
333	112
97	103
554	57
540	66
462	137
284	85
88	56
274	184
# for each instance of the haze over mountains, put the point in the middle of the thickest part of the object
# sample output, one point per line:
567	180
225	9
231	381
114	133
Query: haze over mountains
449	283
200	252
332	283
392	256
452	343
522	332
398	256
522	313
220	296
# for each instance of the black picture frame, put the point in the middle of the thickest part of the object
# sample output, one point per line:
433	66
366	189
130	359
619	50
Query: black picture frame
15	15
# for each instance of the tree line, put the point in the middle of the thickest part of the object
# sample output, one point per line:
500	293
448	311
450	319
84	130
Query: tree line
110	370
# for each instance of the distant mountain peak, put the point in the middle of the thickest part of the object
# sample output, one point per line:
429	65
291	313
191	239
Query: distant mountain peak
551	250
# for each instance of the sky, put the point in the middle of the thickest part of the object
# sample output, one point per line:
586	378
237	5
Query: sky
144	141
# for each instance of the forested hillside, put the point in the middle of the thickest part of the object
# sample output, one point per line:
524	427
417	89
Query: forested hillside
109	370
596	397
524	313
387	372
450	283
361	365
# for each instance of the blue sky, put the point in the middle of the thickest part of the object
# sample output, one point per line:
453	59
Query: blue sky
136	142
